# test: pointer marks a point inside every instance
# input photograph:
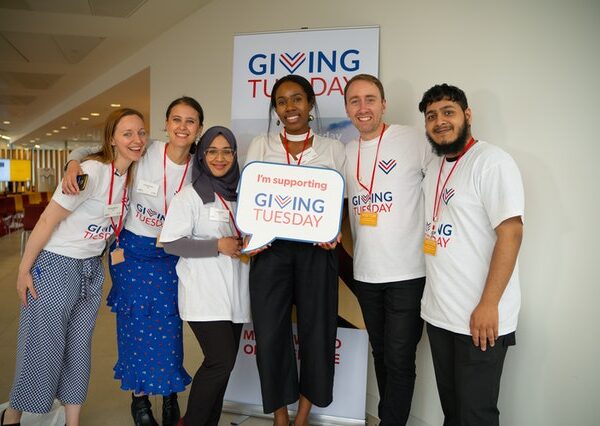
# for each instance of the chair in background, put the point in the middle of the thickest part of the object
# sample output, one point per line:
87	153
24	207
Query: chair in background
30	218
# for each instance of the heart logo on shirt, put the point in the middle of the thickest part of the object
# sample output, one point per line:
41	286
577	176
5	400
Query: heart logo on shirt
387	166
365	198
151	212
447	195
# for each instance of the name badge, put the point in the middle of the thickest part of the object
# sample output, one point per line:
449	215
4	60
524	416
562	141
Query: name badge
309	155
218	215
429	245
148	188
117	256
368	218
113	210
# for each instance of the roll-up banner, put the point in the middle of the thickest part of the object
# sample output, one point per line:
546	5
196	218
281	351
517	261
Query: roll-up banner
328	58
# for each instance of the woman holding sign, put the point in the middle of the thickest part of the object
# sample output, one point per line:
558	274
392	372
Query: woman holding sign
213	280
295	273
60	276
144	286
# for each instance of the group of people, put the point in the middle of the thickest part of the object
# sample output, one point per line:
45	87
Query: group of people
454	215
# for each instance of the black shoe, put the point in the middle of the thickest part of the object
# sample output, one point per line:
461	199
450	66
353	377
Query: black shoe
141	411
7	424
170	410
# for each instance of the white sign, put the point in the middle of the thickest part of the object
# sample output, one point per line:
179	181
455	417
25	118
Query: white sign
350	380
289	202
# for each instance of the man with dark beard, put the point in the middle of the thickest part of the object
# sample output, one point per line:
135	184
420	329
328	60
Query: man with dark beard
474	223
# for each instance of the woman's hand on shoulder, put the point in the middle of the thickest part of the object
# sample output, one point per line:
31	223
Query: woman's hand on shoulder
69	181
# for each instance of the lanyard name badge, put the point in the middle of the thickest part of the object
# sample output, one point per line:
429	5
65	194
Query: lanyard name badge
310	154
243	257
158	243
430	242
118	254
368	217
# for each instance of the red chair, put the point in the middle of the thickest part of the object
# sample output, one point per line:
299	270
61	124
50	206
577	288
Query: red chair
8	212
30	218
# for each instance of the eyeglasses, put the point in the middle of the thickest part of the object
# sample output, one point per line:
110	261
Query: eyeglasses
212	153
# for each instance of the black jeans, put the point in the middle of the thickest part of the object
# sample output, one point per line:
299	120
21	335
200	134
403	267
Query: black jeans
219	341
468	379
392	313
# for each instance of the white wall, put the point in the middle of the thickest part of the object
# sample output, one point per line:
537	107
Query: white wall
530	71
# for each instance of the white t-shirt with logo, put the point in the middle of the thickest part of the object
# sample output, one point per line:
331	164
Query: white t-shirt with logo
84	232
210	288
484	190
392	250
147	194
325	152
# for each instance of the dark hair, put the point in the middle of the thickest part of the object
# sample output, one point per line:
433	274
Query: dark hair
306	87
443	91
191	102
364	77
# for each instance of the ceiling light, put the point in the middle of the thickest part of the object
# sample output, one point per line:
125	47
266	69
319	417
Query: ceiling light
32	140
37	146
48	134
64	127
95	114
6	138
115	105
85	118
6	122
55	131
37	139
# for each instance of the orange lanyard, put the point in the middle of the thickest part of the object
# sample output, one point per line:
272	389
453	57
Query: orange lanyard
165	177
370	188
123	200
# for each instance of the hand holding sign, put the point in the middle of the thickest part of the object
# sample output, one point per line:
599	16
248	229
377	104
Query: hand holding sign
290	203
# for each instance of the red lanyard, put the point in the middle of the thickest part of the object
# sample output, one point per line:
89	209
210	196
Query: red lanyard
165	176
370	188
287	150
237	231
438	194
110	192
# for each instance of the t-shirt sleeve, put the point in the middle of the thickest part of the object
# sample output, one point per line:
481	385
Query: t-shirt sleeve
501	191
256	150
179	222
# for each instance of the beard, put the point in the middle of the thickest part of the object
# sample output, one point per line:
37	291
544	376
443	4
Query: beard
454	147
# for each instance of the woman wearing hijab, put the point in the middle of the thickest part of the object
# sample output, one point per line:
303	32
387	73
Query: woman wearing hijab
213	281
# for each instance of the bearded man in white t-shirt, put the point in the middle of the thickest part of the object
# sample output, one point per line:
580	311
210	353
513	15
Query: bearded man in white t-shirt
474	206
384	172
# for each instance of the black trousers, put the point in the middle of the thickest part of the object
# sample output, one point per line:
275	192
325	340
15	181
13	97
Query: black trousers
293	273
392	314
468	379
219	341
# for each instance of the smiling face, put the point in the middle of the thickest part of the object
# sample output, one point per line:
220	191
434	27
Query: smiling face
183	125
219	156
365	107
129	140
447	126
292	107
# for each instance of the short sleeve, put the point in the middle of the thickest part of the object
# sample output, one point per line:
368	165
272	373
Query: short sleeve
179	222
501	191
71	202
256	149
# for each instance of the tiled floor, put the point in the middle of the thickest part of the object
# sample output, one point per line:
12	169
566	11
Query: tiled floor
106	403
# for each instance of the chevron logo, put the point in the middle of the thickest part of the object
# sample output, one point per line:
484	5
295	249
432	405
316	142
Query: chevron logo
292	62
387	166
151	212
283	201
447	195
365	198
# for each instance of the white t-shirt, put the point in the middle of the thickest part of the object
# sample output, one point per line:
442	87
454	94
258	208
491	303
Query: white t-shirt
484	190
148	195
210	288
84	232
325	152
392	250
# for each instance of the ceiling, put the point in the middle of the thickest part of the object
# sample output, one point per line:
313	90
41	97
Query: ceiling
49	49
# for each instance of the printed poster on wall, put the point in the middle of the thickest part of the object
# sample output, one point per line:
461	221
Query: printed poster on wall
328	58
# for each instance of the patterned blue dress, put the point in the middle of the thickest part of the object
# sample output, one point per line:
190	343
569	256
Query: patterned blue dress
149	330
